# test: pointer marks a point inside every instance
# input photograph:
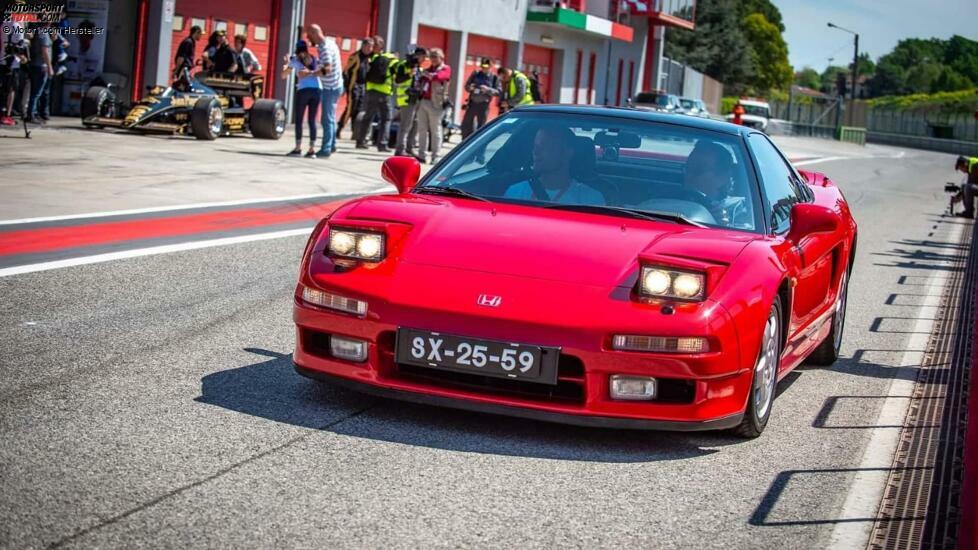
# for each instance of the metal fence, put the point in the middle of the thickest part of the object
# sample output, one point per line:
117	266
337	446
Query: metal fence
955	126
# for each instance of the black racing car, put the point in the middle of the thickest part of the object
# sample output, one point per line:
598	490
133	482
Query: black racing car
205	106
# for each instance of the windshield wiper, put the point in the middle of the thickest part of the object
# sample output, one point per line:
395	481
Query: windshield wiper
449	191
631	212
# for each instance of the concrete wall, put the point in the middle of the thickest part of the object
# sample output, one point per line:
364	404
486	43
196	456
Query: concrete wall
629	51
120	42
503	19
568	41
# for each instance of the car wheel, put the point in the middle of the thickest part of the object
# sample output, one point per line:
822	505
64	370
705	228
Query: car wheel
266	119
765	377
98	101
828	351
207	118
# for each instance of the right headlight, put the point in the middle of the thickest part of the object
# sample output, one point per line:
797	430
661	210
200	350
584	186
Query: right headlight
666	282
356	244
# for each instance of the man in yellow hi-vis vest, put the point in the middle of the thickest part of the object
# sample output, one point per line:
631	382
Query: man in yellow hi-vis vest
380	88
516	89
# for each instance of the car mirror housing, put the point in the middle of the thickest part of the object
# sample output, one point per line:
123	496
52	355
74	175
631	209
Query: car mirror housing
401	172
807	219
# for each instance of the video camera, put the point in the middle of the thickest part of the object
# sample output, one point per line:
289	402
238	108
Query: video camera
957	194
16	49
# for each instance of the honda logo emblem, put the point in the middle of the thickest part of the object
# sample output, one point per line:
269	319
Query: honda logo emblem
489	300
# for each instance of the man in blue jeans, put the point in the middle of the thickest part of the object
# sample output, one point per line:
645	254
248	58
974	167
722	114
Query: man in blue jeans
332	80
40	68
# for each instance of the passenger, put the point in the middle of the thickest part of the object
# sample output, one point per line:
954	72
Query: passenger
553	148
708	171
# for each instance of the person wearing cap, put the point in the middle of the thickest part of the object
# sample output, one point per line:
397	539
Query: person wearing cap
968	165
332	85
482	86
433	96
307	94
407	89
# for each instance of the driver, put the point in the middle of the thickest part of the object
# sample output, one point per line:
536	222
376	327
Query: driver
553	148
709	168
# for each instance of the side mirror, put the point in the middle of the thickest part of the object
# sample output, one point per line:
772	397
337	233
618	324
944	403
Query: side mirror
402	172
809	218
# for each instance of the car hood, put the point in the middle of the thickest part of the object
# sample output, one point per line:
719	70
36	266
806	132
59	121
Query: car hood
589	249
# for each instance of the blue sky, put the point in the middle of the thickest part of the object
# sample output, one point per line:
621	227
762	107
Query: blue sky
880	24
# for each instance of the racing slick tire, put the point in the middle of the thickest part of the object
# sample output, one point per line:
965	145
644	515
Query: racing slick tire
828	351
207	118
764	381
266	119
98	101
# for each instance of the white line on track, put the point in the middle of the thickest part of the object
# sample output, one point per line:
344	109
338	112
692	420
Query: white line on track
186	207
820	159
866	489
165	249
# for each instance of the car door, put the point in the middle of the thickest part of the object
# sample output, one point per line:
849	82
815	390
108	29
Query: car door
811	273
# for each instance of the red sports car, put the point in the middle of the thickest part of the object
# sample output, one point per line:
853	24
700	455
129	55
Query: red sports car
587	265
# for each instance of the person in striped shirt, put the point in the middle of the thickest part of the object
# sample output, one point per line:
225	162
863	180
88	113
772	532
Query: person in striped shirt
332	80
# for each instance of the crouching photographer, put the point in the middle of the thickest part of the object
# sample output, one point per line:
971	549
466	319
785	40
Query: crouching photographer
16	54
966	191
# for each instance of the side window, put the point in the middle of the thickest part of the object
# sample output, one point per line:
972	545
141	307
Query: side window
777	182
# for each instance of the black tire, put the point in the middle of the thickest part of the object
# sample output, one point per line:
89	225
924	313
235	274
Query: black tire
98	101
760	401
828	351
266	119
207	118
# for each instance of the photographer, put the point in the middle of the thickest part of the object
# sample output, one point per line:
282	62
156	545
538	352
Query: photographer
482	86
307	95
15	55
434	94
407	89
968	165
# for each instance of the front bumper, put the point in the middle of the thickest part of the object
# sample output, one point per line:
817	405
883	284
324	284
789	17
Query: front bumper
590	421
697	392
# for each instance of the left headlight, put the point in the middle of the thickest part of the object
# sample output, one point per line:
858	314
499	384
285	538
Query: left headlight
666	282
355	244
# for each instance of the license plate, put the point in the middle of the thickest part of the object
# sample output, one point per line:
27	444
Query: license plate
477	356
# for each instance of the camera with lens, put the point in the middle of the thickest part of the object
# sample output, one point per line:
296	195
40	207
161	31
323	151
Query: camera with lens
17	49
952	188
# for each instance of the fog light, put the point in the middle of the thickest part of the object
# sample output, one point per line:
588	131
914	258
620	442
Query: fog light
659	344
334	301
632	388
349	349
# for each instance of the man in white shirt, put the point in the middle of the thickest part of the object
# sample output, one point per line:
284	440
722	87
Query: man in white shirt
332	80
553	148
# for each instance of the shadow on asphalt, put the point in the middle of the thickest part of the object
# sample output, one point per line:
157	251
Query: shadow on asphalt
271	389
766	513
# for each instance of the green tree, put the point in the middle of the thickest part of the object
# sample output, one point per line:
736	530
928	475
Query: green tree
808	78
950	80
866	66
718	47
768	52
763	7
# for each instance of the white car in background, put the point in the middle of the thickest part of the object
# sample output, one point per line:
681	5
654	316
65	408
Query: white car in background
757	114
694	107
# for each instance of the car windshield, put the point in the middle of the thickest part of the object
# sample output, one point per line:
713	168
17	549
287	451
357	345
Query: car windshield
548	159
662	100
757	110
